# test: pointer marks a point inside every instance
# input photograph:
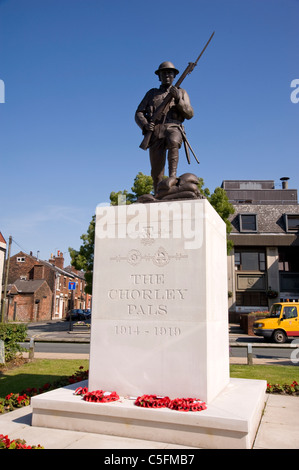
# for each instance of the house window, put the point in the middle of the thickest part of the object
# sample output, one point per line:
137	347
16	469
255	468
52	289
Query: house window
248	222
250	299
292	222
289	282
21	259
288	259
247	260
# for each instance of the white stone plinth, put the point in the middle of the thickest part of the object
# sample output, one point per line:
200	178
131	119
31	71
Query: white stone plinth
160	326
159	311
229	422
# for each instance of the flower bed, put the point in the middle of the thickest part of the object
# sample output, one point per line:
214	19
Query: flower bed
13	401
285	389
17	400
81	325
6	443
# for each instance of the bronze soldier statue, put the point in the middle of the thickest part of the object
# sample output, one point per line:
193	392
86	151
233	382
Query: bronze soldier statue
167	133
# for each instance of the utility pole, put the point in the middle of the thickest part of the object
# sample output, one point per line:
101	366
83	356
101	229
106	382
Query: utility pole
3	310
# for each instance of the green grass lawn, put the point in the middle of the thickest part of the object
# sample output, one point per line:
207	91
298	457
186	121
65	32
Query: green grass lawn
37	373
41	371
276	374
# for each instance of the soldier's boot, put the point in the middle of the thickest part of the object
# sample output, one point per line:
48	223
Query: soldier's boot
173	157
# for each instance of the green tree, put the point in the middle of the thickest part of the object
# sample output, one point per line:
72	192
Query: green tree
143	184
120	195
83	259
204	191
221	204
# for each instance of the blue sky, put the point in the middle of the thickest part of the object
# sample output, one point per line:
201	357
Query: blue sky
74	72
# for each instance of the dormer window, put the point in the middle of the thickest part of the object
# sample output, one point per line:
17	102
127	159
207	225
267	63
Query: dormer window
292	222
248	222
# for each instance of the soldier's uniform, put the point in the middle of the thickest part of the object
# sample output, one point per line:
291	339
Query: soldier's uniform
167	134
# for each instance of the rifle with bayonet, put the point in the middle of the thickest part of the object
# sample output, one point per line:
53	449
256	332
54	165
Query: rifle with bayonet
187	146
162	109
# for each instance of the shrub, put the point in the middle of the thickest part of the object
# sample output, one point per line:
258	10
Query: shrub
12	334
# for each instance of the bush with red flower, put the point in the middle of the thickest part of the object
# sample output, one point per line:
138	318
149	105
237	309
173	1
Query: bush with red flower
286	389
6	443
13	401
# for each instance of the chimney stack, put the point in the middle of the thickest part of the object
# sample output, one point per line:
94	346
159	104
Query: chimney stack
284	180
58	260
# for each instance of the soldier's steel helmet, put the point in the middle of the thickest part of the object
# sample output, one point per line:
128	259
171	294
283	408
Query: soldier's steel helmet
166	65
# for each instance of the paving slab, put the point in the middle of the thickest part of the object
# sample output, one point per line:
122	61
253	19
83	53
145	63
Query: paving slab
279	427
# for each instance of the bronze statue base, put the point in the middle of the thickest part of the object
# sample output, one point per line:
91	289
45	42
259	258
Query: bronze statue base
172	188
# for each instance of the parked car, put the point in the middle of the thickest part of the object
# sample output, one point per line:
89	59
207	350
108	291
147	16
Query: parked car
86	314
282	323
74	314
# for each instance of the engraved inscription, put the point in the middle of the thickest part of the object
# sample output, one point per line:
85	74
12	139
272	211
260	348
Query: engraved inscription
147	278
131	330
147	309
148	295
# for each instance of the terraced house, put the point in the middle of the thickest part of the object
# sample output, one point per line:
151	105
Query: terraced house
39	290
263	266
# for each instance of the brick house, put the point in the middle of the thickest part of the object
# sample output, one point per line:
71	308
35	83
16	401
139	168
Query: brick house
29	268
29	300
263	266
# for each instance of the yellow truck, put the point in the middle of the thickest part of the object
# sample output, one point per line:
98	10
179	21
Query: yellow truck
282	322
